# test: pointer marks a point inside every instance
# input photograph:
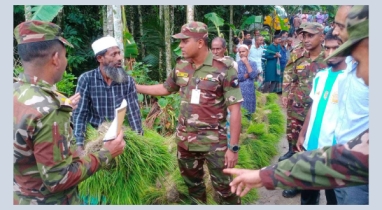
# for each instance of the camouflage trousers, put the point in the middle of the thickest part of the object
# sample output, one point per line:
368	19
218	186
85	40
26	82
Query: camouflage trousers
191	169
63	199
293	130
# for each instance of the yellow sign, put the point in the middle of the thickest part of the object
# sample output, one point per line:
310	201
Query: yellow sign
181	74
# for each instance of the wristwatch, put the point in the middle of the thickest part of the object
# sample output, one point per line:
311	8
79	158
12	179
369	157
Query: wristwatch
234	148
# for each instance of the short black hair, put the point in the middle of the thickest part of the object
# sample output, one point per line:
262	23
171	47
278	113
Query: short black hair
235	40
245	32
38	50
247	42
329	36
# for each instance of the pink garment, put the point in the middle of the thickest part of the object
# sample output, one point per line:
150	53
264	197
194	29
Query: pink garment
304	17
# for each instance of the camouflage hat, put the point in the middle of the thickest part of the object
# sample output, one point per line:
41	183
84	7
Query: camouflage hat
38	31
302	26
313	28
193	29
357	27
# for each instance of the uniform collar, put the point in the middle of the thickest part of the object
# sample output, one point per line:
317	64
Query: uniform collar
321	55
208	60
29	79
51	89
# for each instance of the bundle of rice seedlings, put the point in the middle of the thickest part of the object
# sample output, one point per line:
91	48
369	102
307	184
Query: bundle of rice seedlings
144	160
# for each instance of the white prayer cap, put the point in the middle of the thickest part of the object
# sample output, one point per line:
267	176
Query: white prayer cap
243	45
103	43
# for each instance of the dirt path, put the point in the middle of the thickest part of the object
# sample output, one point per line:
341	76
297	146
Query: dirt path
274	197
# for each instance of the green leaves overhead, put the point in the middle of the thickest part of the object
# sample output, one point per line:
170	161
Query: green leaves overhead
250	20
131	49
45	12
216	20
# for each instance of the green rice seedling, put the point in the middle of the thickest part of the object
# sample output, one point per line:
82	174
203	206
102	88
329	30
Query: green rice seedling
257	129
144	161
272	98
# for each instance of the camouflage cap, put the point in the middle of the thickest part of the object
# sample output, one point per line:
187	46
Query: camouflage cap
357	26
193	29
313	28
38	31
302	26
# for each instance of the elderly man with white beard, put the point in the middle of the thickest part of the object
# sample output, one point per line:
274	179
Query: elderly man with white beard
103	90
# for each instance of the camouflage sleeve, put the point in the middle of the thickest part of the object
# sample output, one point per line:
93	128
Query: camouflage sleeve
56	165
170	83
326	168
232	92
288	74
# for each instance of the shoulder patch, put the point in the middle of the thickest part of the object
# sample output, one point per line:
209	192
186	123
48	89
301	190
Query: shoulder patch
234	82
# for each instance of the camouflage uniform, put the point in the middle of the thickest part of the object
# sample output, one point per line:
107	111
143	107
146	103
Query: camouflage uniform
329	167
299	77
201	131
45	170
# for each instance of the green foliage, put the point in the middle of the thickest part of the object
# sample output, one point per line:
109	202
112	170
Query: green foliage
45	12
66	85
248	21
144	162
262	134
257	129
216	20
17	70
130	47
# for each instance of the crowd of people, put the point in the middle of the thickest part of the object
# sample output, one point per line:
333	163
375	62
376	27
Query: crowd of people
323	81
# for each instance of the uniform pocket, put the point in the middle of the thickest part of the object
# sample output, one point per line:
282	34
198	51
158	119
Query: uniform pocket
209	92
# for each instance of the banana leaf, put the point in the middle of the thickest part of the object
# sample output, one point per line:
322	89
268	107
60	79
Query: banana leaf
216	20
45	12
250	20
131	49
282	24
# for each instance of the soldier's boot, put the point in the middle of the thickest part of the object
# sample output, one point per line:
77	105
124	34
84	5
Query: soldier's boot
288	154
290	193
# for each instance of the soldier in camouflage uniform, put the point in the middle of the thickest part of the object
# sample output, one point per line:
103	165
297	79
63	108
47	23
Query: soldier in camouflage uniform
325	168
45	169
207	88
329	167
298	77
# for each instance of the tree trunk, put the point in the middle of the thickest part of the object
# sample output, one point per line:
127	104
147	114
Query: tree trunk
172	7
118	35
230	29
161	49
28	12
167	30
141	30
104	20
190	13
110	20
132	20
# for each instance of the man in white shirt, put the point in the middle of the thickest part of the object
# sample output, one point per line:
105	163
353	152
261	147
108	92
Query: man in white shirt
256	53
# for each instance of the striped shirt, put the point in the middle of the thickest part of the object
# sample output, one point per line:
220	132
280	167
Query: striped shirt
99	100
324	110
